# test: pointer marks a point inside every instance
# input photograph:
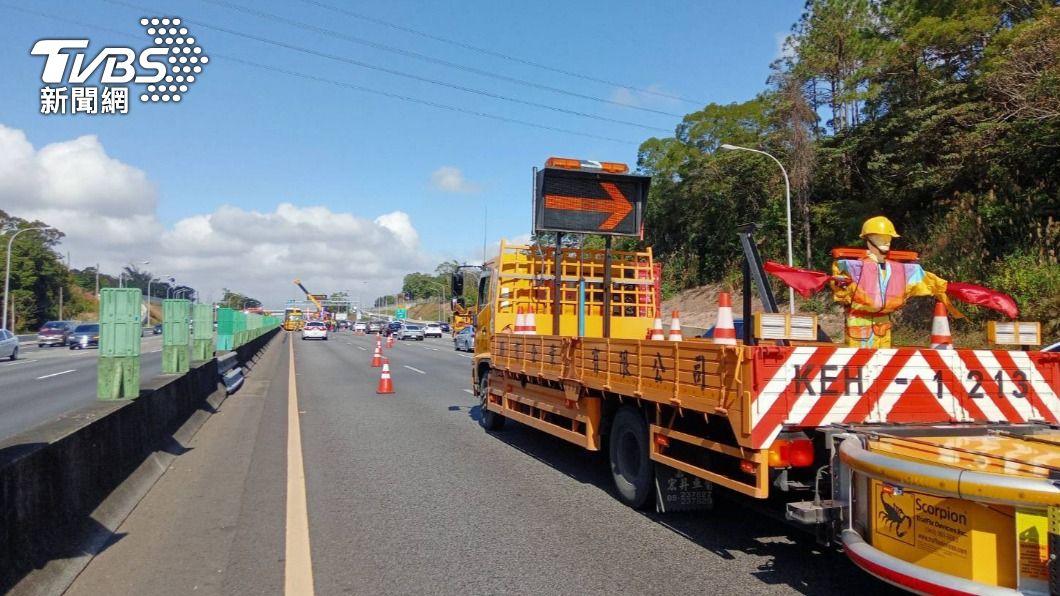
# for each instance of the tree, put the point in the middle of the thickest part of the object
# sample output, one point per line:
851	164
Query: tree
37	272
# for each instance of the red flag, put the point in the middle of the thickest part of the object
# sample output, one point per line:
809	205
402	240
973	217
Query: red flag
803	281
980	296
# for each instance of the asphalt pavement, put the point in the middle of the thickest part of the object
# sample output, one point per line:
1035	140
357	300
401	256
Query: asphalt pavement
45	383
406	494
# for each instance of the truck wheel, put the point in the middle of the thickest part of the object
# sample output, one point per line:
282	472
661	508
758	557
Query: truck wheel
490	421
631	466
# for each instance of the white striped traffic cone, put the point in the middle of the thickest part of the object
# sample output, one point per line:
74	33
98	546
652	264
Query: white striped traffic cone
940	329
675	326
530	321
724	329
656	330
520	321
386	384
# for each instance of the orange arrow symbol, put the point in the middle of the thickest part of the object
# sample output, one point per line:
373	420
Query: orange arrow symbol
618	205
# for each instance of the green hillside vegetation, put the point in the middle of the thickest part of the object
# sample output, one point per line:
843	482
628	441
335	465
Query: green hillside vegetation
944	116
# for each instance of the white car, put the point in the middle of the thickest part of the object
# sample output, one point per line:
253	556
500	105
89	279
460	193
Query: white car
315	330
360	327
432	330
8	344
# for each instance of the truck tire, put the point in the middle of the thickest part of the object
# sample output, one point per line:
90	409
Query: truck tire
631	466
490	421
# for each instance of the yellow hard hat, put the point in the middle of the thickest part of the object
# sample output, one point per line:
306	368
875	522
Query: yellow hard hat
879	225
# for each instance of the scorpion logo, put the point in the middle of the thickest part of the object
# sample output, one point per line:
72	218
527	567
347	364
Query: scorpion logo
894	518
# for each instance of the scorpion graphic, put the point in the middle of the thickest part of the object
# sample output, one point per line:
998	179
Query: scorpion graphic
894	518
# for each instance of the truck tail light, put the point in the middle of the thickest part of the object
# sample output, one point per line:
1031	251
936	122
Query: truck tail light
778	453
748	467
662	441
800	453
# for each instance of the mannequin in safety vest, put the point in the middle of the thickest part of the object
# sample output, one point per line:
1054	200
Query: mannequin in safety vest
873	287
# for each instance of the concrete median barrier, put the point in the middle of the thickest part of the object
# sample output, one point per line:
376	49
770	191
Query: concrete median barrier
67	485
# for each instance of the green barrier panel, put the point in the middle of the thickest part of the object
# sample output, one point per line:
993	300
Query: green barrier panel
202	332
225	323
176	339
118	366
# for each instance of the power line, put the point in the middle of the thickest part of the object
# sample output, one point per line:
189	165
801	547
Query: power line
496	54
343	84
399	73
425	57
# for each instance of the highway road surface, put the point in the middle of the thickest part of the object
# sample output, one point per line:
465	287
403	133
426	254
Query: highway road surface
45	383
307	480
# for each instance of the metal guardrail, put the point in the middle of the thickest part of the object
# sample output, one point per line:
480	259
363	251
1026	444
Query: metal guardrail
230	371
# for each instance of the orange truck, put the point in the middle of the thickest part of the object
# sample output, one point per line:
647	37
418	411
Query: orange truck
935	470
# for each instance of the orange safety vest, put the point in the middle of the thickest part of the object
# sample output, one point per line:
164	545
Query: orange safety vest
869	299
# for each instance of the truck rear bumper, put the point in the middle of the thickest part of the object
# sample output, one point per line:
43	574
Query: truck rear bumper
912	577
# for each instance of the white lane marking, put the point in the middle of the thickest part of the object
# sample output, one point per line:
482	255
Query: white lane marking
153	351
362	348
466	355
414	369
298	563
57	374
18	362
434	349
469	392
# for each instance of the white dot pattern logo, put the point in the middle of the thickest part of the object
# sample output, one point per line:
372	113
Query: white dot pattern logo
183	50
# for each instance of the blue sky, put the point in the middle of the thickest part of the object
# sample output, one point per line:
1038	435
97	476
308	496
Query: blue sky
253	139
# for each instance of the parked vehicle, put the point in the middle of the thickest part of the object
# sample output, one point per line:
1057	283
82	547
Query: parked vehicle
54	333
411	331
85	335
315	330
432	330
464	340
8	345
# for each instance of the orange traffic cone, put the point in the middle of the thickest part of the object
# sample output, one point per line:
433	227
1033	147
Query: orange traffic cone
390	341
675	327
724	329
520	321
940	329
386	384
377	357
656	330
530	321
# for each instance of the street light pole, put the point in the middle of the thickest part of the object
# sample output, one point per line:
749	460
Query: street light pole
7	271
787	204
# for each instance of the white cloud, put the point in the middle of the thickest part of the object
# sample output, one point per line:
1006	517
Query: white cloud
650	97
107	210
451	179
786	45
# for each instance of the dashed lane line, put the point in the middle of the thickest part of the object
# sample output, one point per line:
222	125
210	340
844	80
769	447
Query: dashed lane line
414	369
57	374
469	392
19	362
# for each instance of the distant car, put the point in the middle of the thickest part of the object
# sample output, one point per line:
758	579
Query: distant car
464	340
157	330
375	327
8	344
392	328
360	327
445	327
84	336
737	323
54	333
315	330
410	331
432	330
